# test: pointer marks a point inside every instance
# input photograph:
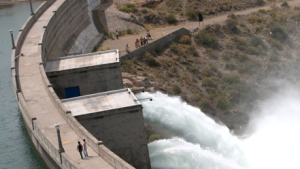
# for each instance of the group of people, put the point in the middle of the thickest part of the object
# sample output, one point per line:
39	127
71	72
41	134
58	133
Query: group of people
140	42
83	148
143	41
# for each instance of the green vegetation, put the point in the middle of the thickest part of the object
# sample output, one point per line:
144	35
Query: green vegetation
223	69
191	14
129	8
153	137
207	39
144	11
176	88
285	4
171	19
150	60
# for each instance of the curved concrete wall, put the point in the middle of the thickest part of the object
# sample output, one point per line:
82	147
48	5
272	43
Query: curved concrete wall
41	141
66	23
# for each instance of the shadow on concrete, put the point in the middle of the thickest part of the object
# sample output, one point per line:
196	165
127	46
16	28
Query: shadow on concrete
100	10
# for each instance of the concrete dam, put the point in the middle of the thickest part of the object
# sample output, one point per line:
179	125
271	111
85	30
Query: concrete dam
66	98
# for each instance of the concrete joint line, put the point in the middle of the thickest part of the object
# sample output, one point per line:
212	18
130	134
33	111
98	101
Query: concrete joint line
40	44
50	85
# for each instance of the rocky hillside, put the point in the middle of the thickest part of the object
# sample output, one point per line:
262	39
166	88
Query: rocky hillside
224	69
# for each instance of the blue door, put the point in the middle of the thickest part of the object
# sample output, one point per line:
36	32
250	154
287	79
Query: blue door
72	92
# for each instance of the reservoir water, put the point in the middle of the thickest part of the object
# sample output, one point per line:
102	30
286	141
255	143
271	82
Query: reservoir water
16	149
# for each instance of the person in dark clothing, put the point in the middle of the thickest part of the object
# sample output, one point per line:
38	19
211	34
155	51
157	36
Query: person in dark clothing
79	148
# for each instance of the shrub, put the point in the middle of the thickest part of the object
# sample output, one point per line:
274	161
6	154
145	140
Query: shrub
278	32
150	60
207	72
226	56
174	48
192	49
191	14
207	39
192	69
129	8
144	11
285	4
257	41
231	78
274	57
171	19
231	25
154	137
208	82
296	17
241	57
185	39
230	66
222	102
259	2
176	88
205	104
128	66
129	31
262	11
275	43
254	19
248	67
196	97
241	44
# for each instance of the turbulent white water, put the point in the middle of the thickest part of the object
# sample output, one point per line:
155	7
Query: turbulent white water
201	143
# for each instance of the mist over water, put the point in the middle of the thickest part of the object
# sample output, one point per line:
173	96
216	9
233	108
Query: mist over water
199	142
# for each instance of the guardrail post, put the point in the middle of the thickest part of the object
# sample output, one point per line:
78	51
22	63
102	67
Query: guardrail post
60	149
12	39
34	118
32	13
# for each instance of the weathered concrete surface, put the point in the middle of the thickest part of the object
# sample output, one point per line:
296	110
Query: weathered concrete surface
37	100
116	118
92	73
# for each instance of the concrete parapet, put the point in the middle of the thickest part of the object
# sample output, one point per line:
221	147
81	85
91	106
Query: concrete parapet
157	44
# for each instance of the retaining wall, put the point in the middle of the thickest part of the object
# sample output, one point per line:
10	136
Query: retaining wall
156	45
55	35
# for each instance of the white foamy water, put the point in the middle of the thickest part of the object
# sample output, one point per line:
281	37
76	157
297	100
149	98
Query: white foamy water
201	143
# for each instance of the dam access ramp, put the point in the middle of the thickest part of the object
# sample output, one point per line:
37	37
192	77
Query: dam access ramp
41	108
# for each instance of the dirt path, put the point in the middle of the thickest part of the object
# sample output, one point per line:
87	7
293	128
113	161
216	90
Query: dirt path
157	33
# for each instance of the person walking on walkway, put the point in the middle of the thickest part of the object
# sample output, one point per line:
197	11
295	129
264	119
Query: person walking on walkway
85	149
117	34
148	35
136	43
79	148
127	48
142	41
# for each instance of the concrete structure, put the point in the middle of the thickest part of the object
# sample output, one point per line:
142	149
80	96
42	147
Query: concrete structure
91	73
48	34
116	118
158	44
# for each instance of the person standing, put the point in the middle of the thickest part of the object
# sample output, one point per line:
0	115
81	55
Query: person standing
79	148
117	34
142	41
85	149
127	48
